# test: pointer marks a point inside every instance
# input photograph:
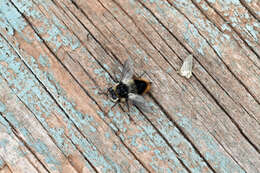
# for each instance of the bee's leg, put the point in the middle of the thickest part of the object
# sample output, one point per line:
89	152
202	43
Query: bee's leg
122	107
113	105
127	105
130	118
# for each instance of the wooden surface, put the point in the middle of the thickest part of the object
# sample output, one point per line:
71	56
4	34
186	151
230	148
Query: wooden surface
55	55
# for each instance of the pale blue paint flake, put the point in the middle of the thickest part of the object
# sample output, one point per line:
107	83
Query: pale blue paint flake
114	147
11	18
101	114
212	1
3	144
44	61
44	104
222	162
36	144
107	135
6	125
204	7
2	163
113	127
2	107
106	66
254	33
225	27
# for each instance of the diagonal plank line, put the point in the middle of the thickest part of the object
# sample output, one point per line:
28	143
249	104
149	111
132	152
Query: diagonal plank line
218	55
216	82
145	116
24	143
54	101
250	10
77	83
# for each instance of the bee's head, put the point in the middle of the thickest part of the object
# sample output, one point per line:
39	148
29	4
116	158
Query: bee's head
112	94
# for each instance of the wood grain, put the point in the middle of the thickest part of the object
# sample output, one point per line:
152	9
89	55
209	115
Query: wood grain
55	56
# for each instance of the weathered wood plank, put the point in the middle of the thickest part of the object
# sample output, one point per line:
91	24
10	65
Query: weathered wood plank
137	37
166	52
169	155
33	65
225	28
24	124
93	20
209	123
4	168
160	127
241	21
226	50
165	18
194	163
117	36
248	29
253	6
15	156
242	69
65	125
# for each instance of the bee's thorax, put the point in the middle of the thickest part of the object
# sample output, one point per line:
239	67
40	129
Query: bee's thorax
122	90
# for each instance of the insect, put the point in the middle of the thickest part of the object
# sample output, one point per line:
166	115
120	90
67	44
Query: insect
130	89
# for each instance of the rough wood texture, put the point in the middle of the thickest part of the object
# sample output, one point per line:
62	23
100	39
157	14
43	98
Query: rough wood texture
55	55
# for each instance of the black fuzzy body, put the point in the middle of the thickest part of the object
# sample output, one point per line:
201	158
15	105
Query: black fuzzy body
140	86
122	90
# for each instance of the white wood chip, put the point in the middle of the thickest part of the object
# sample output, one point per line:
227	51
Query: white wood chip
186	68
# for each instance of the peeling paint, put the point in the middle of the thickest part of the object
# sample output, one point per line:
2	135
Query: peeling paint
11	19
41	104
224	163
3	144
2	107
37	144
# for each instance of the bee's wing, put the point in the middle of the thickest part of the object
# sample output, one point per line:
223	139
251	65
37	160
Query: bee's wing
128	71
139	101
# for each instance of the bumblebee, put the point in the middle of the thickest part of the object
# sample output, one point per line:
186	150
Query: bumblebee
130	89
